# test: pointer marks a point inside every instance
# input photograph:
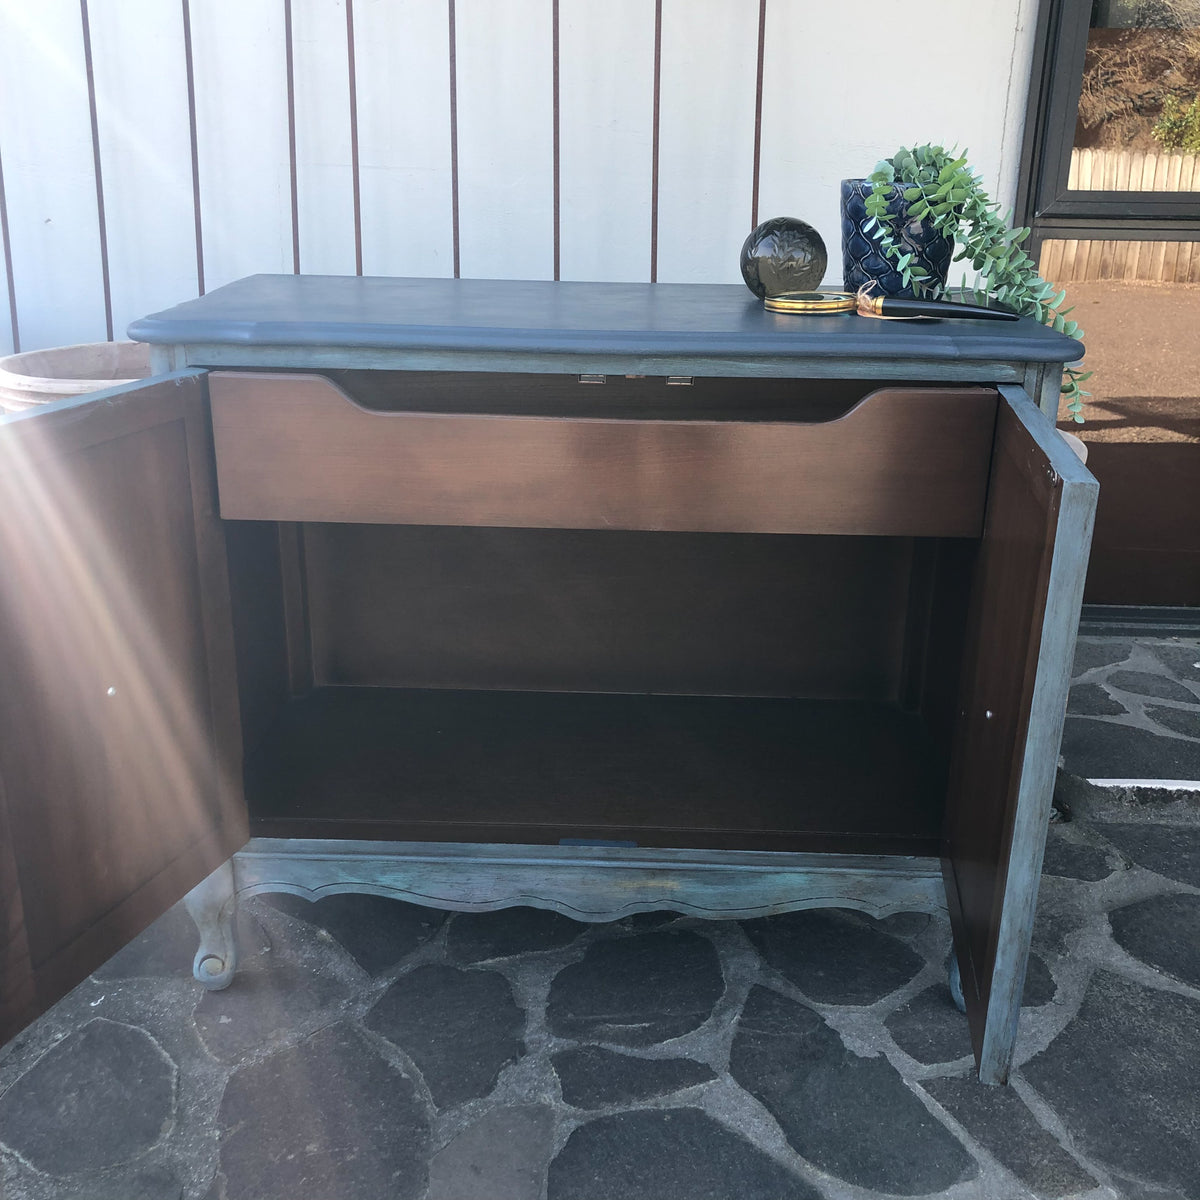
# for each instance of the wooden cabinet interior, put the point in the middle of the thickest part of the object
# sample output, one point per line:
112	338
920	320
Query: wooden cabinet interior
459	682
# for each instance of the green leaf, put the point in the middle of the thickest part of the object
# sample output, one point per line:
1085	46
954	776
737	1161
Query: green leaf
951	169
944	191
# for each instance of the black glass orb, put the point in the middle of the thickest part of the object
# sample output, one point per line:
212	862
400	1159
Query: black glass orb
783	255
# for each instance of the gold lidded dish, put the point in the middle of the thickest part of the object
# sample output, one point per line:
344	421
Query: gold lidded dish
811	302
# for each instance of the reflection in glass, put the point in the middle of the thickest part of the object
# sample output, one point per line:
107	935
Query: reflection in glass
1138	125
1139	305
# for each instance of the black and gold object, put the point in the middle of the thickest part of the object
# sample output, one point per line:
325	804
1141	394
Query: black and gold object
811	302
783	255
895	307
891	308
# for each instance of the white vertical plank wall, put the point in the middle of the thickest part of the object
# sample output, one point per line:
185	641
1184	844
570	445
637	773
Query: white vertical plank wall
706	137
833	115
822	125
606	93
49	178
9	331
239	52
402	67
142	119
823	116
324	183
504	54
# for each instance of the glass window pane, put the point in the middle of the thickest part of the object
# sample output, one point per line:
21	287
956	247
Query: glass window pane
1138	125
1139	305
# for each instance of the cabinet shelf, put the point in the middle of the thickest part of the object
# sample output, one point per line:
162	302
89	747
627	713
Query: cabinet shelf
542	767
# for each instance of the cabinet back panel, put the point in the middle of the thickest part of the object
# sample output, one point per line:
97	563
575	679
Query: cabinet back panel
259	624
579	610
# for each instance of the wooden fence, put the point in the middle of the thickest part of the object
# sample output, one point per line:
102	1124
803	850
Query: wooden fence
1070	260
1132	171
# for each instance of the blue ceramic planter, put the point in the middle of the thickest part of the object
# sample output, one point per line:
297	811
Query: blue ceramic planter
862	259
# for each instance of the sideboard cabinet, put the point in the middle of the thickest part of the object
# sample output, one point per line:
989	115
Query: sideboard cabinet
596	597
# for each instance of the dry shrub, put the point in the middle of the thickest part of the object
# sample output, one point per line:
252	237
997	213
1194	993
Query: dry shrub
1127	75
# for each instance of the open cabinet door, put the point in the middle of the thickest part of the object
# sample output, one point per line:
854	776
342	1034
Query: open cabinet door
120	772
1023	616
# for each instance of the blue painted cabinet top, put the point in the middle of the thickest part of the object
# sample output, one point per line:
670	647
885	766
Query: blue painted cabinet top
545	323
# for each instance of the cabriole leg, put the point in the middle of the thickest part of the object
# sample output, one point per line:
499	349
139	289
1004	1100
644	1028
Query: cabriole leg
212	903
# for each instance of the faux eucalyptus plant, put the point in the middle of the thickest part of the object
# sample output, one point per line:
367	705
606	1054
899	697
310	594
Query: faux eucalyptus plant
942	188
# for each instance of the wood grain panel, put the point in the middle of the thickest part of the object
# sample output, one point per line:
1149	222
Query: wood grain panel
1146	548
18	995
118	726
259	626
656	770
607	610
902	462
1008	596
1023	612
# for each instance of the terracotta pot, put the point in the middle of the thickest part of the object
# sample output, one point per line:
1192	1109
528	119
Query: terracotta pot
1076	443
40	376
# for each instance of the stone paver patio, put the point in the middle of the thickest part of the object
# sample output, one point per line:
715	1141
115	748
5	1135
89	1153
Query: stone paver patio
372	1049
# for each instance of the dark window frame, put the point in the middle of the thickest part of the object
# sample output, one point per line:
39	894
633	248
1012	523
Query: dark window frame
1043	200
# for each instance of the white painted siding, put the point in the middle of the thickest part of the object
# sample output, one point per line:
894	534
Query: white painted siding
49	180
606	88
706	138
7	340
145	155
242	138
403	72
324	179
505	65
821	120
